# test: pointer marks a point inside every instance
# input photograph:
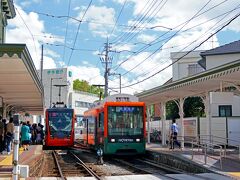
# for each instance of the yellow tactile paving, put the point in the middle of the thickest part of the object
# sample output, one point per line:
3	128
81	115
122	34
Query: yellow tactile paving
236	174
9	158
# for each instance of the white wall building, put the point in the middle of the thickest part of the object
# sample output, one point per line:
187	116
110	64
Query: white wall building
186	66
79	101
58	83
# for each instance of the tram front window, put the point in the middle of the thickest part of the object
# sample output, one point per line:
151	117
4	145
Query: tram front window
60	124
125	120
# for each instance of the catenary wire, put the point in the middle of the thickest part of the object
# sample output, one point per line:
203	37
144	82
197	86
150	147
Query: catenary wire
66	32
226	14
28	31
79	25
156	39
232	19
168	39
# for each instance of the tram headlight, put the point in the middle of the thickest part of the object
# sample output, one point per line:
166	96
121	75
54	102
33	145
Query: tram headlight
137	140
112	140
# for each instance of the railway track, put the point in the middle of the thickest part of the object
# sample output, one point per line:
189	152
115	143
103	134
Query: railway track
70	165
150	167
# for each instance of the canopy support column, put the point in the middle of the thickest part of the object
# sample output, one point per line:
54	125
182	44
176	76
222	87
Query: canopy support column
180	104
163	119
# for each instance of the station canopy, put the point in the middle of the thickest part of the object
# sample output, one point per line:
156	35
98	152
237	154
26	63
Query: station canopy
20	86
196	85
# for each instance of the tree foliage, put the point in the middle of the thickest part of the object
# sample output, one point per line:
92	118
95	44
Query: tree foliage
193	107
82	85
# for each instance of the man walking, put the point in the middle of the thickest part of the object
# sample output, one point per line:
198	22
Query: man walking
173	135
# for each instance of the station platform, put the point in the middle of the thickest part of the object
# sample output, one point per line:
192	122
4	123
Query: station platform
230	167
230	164
30	158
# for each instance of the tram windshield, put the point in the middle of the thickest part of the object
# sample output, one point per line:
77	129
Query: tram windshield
125	120
60	123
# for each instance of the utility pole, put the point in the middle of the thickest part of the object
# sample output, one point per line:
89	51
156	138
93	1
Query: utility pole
106	60
99	85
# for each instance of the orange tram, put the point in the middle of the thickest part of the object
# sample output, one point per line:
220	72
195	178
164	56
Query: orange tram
116	125
59	132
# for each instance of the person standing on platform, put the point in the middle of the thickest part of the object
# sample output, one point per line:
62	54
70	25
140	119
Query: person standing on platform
25	136
2	132
173	135
9	135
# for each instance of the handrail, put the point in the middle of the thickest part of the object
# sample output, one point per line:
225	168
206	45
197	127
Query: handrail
207	146
238	147
222	138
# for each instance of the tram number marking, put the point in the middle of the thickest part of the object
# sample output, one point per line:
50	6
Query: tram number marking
125	140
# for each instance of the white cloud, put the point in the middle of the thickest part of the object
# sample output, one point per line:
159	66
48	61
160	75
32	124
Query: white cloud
102	16
48	63
89	73
18	33
146	38
77	8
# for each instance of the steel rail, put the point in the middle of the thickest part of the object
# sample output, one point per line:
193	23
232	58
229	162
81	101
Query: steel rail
174	169
58	165
147	171
90	171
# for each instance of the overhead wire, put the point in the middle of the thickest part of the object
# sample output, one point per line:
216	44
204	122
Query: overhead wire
120	13
28	31
82	21
232	19
226	14
79	25
74	49
145	21
66	32
155	41
169	38
135	20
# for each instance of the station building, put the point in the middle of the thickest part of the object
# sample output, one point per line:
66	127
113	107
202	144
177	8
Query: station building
212	75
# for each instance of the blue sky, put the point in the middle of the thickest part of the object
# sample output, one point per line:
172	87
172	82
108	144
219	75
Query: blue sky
153	28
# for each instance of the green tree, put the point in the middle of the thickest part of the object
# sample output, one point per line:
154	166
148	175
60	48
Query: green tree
193	107
172	110
82	85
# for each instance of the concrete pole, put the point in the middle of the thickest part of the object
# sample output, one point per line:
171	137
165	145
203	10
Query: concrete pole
181	114
148	119
163	119
207	111
16	170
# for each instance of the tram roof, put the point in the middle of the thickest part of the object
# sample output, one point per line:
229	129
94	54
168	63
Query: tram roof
196	85
20	86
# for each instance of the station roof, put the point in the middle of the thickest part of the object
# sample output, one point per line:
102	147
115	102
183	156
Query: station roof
20	85
231	48
194	85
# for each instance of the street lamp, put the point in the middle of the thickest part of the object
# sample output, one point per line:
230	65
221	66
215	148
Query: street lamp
51	91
